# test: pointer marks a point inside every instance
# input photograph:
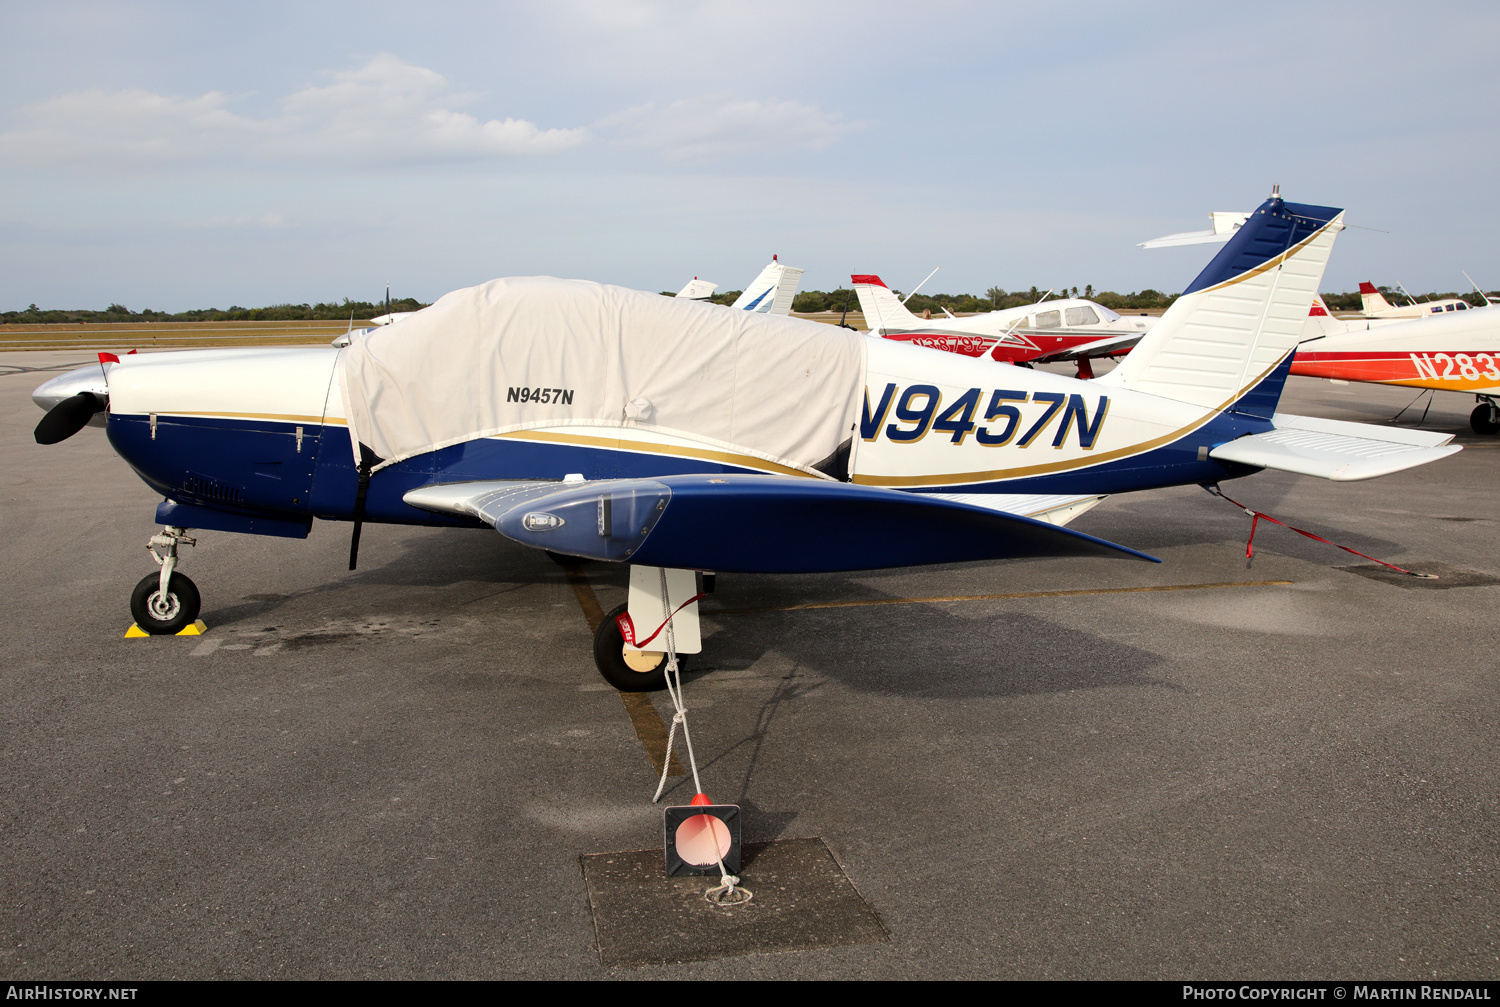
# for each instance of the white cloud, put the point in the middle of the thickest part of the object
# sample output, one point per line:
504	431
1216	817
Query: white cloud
714	127
388	111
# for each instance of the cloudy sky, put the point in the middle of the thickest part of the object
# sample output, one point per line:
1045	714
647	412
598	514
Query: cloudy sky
184	155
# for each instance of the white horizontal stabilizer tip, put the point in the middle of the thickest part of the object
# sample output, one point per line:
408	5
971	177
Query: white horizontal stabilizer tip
1225	224
1053	509
1333	456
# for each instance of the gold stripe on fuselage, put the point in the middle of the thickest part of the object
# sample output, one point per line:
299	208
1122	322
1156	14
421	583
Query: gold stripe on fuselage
618	444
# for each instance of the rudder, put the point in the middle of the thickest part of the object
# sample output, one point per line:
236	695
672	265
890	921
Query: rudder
1243	315
882	309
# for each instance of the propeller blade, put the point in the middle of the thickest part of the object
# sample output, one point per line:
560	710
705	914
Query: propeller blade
67	418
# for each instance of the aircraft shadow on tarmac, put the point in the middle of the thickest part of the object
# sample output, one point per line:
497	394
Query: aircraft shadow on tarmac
916	650
1204	520
933	650
927	651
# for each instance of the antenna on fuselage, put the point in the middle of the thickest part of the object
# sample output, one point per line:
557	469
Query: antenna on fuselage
918	287
1483	298
1408	295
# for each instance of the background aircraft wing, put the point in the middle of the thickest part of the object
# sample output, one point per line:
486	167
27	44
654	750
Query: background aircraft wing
1335	449
1098	348
755	524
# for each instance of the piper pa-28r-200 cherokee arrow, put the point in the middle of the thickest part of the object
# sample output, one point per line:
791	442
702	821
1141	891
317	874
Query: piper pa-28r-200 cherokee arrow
677	437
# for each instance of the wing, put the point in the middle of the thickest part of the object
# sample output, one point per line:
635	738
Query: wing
1098	348
1335	449
756	524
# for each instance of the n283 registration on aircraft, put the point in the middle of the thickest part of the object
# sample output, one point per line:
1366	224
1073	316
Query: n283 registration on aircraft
1451	349
609	424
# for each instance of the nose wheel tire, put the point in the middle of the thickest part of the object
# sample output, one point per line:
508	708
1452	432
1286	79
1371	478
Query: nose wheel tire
625	669
1482	420
167	616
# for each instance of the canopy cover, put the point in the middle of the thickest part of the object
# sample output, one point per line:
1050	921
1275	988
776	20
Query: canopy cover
527	352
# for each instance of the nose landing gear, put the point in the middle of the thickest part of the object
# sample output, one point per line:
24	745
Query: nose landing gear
166	602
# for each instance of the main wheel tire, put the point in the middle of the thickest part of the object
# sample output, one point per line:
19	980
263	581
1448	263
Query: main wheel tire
169	616
1482	421
609	658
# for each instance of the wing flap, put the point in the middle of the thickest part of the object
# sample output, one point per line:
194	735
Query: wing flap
1105	347
1053	509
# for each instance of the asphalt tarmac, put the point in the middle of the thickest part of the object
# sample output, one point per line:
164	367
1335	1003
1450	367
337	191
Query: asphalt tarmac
394	772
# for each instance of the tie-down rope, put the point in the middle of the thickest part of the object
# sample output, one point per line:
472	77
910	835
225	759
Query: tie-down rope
728	891
1256	515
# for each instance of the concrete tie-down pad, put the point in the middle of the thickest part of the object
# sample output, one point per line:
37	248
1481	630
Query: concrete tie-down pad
803	900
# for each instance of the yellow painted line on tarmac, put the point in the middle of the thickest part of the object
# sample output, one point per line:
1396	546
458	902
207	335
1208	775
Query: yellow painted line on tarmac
649	727
996	597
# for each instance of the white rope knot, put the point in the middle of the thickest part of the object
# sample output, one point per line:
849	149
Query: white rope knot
728	893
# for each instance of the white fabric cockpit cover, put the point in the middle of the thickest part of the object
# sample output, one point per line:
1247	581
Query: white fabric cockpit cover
527	352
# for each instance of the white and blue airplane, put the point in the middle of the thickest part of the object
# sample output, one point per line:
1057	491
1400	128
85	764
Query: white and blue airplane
771	292
679	438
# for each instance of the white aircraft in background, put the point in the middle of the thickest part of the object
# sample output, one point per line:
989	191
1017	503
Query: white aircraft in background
770	293
1376	306
390	316
697	290
1068	328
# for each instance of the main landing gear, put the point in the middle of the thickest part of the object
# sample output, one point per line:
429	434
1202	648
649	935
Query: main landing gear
1485	419
656	598
623	667
166	602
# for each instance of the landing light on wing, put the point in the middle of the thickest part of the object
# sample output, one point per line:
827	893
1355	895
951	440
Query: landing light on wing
541	521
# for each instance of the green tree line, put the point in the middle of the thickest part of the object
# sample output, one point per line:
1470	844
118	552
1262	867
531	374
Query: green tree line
329	311
842	299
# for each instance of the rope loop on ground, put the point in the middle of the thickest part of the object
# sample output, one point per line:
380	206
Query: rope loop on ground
728	892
